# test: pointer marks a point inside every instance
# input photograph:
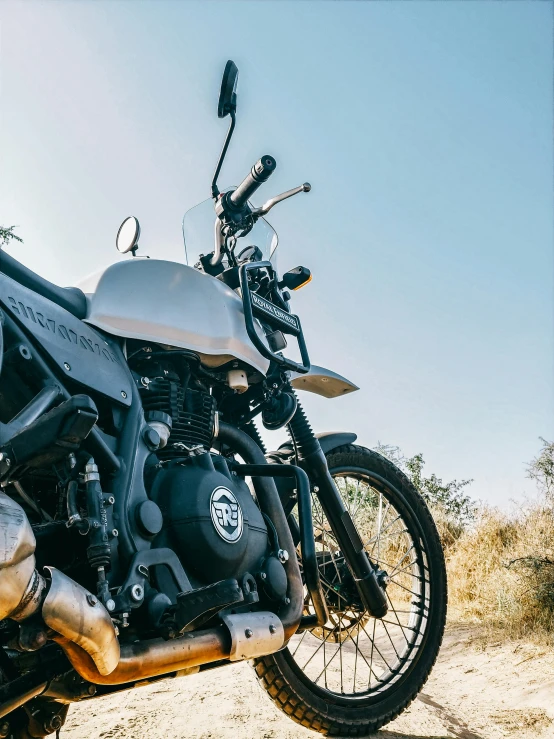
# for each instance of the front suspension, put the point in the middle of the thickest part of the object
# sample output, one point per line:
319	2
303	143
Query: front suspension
363	569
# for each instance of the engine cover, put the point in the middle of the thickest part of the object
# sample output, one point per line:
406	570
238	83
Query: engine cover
210	519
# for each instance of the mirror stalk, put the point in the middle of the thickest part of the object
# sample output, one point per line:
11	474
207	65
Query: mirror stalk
215	191
268	205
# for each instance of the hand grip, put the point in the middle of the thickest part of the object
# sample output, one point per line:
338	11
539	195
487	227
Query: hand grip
259	173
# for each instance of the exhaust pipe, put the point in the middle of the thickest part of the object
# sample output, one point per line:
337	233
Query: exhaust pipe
143	660
21	586
66	607
80	617
243	636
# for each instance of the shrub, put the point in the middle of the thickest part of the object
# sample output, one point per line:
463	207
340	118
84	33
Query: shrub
501	571
500	566
452	509
541	470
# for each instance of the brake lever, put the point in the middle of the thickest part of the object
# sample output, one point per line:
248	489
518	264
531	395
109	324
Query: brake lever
267	206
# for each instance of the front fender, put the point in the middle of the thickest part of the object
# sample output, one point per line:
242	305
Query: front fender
329	440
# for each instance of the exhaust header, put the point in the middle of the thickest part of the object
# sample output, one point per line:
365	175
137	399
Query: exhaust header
67	608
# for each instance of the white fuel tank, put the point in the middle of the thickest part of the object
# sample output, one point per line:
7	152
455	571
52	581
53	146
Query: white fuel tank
170	303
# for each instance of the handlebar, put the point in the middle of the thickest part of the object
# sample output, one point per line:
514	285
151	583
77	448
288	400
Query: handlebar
259	174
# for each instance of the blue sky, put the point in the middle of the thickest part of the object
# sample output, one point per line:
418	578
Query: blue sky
425	129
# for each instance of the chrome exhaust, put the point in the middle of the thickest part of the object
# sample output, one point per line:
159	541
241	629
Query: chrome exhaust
244	636
80	617
21	586
67	608
143	660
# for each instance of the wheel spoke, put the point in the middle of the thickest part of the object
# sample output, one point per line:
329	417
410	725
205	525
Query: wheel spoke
393	582
329	588
379	525
390	638
300	642
415	577
403	558
380	532
406	569
371	658
340	657
317	650
336	654
335	564
363	655
356	661
396	614
378	651
387	537
326	665
392	623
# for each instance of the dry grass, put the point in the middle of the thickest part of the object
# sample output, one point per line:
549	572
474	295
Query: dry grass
501	571
516	721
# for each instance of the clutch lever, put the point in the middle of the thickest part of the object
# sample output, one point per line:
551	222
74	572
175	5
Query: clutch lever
267	206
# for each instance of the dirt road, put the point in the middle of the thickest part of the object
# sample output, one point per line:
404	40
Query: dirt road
478	690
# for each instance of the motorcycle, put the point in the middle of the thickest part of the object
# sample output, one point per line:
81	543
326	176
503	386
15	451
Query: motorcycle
145	530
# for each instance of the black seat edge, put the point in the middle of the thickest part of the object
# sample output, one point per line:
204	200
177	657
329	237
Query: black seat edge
70	298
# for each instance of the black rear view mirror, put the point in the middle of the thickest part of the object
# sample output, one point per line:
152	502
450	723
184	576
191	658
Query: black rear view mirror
228	93
227	106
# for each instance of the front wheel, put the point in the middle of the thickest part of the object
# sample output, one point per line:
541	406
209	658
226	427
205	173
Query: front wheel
357	673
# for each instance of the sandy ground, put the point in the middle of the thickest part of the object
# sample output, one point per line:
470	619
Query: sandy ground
478	690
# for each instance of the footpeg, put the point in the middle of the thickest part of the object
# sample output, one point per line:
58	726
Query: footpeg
199	605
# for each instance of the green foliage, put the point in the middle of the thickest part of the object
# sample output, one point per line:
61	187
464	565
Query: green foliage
7	235
448	496
541	470
537	575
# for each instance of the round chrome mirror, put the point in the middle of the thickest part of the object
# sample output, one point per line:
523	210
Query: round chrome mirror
128	235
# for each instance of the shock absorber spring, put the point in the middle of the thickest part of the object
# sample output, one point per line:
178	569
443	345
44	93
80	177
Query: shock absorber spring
302	434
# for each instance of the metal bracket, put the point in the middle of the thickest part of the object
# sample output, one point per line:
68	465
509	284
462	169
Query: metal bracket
254	634
139	573
274	316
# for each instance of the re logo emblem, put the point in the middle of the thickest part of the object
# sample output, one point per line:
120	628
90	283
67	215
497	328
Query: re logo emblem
226	515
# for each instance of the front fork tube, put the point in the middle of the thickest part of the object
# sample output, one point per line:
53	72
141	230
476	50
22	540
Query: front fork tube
373	595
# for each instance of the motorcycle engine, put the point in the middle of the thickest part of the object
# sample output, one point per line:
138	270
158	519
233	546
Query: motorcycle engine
210	518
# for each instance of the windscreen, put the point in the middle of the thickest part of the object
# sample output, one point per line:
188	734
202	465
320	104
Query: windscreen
199	230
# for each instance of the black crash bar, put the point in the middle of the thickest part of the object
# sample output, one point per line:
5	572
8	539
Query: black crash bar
307	541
